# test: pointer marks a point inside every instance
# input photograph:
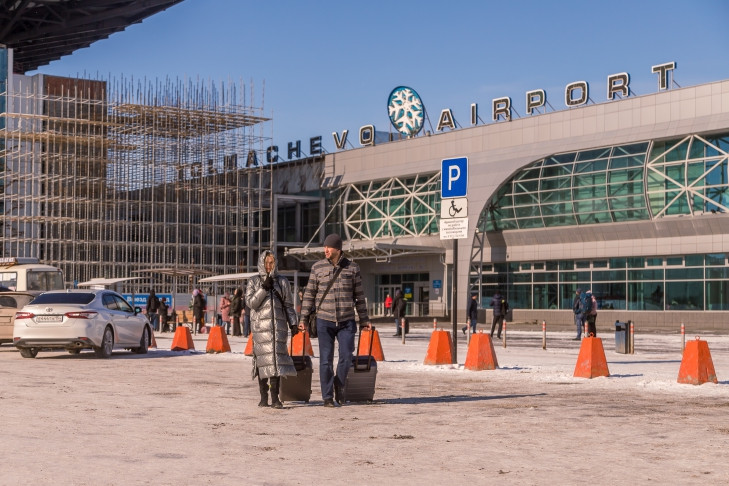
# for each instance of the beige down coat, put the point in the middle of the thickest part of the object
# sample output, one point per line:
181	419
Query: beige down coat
270	322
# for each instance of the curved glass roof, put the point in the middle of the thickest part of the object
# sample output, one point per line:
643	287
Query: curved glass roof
638	181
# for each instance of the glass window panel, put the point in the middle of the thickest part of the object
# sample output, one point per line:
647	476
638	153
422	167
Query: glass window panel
684	295
609	275
520	297
654	262
645	274
636	262
561	159
558	196
609	295
521	277
568	277
594	154
717	296
530	223
619	163
539	266
600	264
556	183
694	260
566	265
645	296
526	186
594	166
634	148
672	261
618	263
552	265
685	274
564	220
532	173
557	170
717	273
526	266
545	277
525	199
545	296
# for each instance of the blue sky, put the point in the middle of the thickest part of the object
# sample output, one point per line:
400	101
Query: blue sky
330	65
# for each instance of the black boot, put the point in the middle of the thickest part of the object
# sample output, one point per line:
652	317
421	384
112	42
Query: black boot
275	402
263	387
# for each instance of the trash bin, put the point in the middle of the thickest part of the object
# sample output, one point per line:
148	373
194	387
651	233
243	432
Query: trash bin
622	340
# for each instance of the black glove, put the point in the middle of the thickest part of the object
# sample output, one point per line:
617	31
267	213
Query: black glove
294	330
268	284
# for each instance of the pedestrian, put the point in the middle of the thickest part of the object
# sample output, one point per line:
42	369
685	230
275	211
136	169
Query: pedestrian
473	315
578	307
162	313
398	311
246	315
225	311
388	305
340	279
198	309
501	307
271	302
236	306
152	308
591	313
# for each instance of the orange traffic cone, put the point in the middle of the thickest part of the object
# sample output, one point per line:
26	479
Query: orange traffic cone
182	340
217	341
439	349
481	355
249	346
152	341
300	342
697	366
364	344
591	361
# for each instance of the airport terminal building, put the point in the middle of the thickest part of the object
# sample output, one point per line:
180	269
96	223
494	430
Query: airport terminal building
626	197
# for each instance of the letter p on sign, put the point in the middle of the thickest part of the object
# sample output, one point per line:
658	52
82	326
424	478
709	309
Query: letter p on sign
454	178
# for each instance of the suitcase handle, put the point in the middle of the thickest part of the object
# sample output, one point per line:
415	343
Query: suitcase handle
369	352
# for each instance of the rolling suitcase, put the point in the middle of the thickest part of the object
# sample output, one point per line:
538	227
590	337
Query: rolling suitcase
360	384
297	388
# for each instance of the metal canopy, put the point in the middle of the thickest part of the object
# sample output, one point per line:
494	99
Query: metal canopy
41	31
175	272
363	250
106	281
229	277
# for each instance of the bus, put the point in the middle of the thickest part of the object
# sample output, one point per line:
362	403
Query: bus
24	274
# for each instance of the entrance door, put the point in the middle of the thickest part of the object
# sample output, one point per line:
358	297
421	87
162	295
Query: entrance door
384	290
424	299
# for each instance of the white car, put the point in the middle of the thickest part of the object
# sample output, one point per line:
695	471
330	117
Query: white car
80	319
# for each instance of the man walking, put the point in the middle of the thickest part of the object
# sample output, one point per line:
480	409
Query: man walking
152	308
334	315
501	307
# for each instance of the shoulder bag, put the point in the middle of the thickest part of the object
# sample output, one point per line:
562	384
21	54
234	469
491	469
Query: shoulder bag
311	322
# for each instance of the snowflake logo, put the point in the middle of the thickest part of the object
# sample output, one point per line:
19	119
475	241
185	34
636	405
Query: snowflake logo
406	111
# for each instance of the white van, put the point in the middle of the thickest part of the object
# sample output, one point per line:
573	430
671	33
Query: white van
22	274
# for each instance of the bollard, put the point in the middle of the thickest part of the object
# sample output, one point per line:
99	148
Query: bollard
584	333
504	335
435	323
544	334
402	329
631	345
683	337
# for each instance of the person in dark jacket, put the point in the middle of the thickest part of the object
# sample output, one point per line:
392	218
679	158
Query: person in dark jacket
152	308
501	307
578	307
236	306
398	310
473	315
271	302
198	309
162	313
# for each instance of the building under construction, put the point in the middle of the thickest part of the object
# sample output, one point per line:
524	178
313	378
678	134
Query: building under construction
120	178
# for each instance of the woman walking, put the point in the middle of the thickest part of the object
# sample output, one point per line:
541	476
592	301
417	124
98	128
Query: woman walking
271	302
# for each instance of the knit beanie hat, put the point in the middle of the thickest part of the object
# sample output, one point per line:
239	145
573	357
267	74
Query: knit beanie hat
333	241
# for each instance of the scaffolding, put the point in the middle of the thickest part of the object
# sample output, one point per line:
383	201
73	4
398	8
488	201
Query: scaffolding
108	179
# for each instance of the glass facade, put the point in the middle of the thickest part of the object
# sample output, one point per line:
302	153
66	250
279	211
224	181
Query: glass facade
394	207
635	182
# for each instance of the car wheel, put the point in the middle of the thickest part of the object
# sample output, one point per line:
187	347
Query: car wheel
28	352
74	351
107	344
143	343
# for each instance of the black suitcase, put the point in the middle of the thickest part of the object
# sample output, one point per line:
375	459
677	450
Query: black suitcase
360	384
297	388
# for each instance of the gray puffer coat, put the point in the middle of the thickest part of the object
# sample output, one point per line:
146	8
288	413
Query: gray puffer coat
270	322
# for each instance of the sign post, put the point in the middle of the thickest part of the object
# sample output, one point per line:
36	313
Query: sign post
454	224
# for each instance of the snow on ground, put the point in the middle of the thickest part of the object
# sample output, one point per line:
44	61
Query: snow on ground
190	417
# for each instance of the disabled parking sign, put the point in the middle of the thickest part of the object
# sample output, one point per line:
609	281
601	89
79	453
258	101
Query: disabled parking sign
454	177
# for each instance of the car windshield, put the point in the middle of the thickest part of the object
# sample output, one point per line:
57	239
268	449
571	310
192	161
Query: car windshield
16	301
64	298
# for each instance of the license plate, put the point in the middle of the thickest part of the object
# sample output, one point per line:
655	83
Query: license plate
48	318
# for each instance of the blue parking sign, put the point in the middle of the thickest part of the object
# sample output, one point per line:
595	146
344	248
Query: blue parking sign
454	177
